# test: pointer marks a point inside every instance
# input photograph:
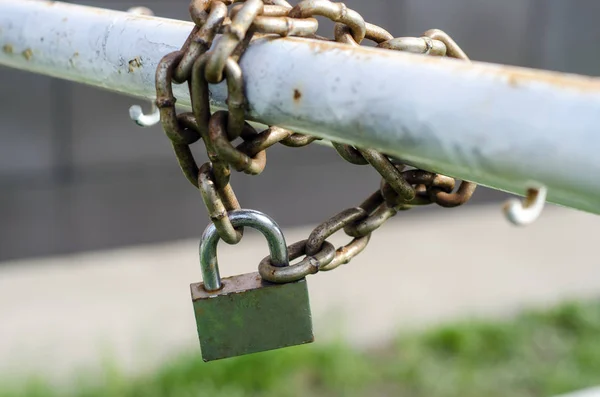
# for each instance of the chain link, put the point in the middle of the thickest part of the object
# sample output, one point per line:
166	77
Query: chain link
233	35
201	39
219	200
274	20
205	58
337	12
310	264
343	34
416	45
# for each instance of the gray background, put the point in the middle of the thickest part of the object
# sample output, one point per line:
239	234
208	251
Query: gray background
76	174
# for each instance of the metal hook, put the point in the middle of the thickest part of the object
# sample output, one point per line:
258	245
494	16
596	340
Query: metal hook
141	11
135	112
526	212
144	120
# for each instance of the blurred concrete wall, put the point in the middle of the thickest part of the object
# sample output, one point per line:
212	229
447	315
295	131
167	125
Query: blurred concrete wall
77	174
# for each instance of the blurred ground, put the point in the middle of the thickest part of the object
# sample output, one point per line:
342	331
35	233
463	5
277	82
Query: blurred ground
539	353
62	313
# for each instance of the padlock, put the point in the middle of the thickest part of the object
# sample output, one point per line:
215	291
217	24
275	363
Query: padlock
245	314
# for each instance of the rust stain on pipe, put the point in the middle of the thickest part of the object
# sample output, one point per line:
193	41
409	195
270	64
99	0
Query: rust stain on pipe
27	54
297	95
134	64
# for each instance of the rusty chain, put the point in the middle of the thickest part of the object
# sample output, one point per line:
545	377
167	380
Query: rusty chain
205	58
197	66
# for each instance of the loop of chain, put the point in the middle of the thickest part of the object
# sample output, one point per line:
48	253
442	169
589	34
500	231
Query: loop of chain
344	254
233	35
320	255
453	50
349	153
310	264
201	38
198	65
274	20
237	159
175	130
390	173
298	140
236	100
416	45
429	182
317	248
436	43
199	10
165	102
399	190
219	200
343	34
326	229
337	12
377	210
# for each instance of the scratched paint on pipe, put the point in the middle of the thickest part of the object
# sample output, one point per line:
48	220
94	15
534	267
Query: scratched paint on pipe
88	45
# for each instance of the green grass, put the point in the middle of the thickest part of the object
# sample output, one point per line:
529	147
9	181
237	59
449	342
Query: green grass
534	354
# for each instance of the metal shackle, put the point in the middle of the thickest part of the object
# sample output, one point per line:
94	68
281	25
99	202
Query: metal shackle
240	218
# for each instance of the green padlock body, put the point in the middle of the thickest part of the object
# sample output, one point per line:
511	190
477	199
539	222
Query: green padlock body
250	315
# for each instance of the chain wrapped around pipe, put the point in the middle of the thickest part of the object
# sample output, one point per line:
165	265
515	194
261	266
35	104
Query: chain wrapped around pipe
399	190
207	58
198	66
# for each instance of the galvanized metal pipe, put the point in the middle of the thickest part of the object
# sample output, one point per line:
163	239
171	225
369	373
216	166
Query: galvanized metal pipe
500	126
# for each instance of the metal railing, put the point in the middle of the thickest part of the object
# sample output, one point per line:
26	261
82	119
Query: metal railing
503	127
